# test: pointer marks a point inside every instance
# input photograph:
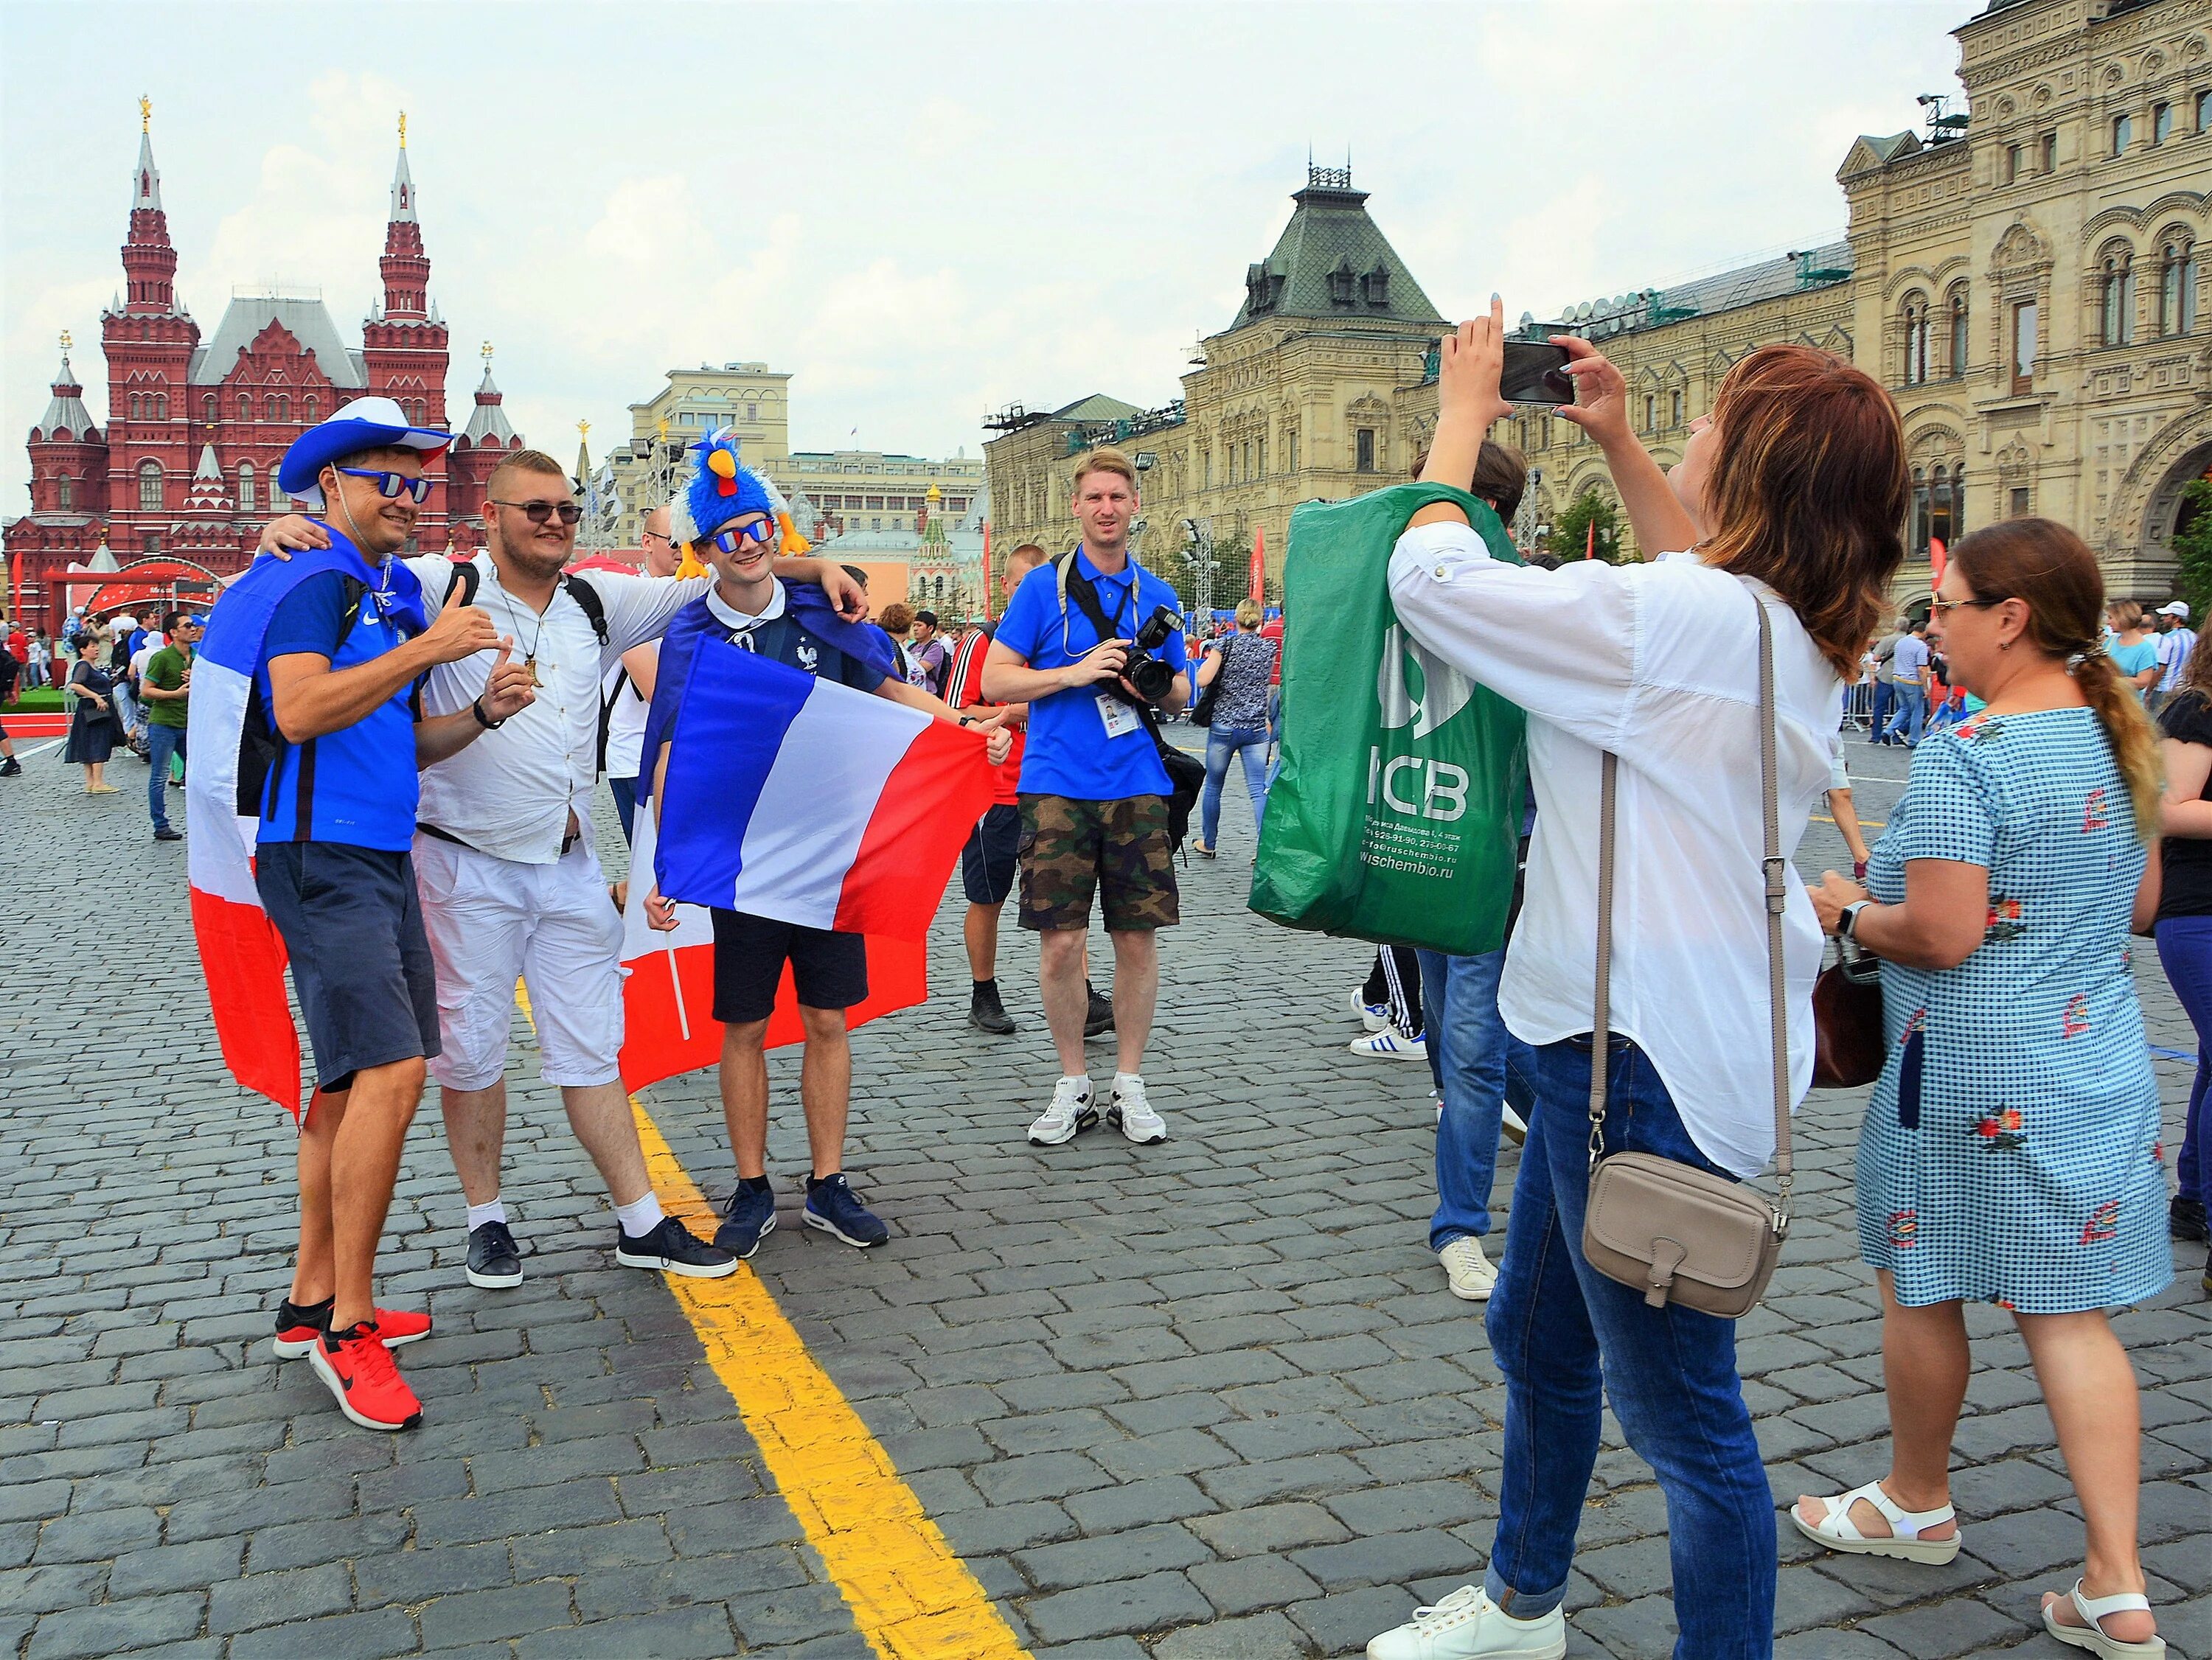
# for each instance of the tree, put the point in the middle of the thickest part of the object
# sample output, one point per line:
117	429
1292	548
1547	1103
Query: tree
1570	537
2192	547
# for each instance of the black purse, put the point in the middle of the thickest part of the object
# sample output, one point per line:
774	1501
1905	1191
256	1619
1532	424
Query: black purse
1202	708
1186	773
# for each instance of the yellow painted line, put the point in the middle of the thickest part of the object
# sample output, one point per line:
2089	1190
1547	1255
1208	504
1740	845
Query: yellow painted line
912	1597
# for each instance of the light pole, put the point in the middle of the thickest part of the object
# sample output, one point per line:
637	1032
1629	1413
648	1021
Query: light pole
1200	532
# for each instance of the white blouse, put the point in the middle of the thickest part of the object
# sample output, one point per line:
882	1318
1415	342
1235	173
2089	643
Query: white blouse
1659	664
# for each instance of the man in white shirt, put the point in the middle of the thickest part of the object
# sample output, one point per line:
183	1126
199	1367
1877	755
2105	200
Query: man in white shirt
2176	640
1908	683
628	687
509	879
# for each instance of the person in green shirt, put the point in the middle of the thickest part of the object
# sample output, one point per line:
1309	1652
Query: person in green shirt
166	689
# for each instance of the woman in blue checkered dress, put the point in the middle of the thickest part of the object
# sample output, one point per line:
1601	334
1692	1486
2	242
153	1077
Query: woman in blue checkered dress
2010	1153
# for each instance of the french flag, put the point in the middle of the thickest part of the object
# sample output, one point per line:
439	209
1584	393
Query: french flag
241	954
801	800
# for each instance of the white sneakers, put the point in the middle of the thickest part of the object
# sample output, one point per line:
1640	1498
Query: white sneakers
1072	1111
1372	1015
1468	1625
1390	1046
1473	1277
1130	1109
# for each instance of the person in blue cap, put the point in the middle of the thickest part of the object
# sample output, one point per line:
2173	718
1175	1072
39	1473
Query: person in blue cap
332	743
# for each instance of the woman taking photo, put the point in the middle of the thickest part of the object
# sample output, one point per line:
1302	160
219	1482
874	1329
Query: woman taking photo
2009	1153
2184	918
1789	497
1241	663
94	726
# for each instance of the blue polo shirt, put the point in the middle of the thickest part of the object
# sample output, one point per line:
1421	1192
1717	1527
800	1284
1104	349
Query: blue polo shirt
1069	753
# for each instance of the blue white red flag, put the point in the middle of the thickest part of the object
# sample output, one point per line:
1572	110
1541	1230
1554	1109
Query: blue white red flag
802	800
242	955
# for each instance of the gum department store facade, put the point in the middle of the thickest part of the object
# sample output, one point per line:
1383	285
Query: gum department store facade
2033	284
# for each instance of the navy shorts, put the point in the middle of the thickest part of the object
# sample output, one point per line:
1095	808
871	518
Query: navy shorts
992	855
361	963
827	970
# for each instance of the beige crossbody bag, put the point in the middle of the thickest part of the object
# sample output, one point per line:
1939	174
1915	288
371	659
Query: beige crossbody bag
1675	1233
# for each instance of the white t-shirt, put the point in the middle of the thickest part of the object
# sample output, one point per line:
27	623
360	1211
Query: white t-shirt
509	793
626	718
1658	664
1912	655
2174	649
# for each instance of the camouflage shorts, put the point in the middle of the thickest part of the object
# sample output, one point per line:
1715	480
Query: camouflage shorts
1069	848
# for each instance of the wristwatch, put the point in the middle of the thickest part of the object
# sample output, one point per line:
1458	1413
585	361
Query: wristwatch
1847	925
482	719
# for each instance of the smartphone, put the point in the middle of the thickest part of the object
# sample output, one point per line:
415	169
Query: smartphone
1535	373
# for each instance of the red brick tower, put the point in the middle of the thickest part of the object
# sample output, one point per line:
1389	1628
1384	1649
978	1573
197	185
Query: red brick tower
148	343
69	457
404	342
487	440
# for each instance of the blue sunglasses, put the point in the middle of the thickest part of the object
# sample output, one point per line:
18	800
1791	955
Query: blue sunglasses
391	485
730	540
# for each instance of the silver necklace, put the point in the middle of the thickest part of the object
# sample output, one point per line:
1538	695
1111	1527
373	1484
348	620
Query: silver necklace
514	611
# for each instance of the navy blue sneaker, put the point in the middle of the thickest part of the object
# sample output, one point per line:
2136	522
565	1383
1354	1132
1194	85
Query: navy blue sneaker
831	1207
747	1219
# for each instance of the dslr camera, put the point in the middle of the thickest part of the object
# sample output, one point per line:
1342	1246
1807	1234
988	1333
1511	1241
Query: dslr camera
1148	672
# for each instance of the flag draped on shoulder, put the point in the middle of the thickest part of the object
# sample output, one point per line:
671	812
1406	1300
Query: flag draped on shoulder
241	956
797	799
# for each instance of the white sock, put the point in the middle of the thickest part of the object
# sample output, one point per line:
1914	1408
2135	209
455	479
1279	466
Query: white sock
481	1213
1082	1078
1136	1078
639	1216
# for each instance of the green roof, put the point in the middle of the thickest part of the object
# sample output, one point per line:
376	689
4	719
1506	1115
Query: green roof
1096	406
1333	261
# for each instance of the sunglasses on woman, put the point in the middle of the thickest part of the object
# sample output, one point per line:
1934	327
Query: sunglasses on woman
538	512
391	486
730	540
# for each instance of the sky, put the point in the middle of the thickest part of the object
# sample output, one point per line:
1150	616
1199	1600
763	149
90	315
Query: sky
924	212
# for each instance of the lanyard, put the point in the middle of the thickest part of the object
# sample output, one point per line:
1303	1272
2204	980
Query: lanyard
1127	605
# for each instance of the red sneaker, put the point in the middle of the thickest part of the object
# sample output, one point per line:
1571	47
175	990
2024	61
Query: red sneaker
295	1337
367	1387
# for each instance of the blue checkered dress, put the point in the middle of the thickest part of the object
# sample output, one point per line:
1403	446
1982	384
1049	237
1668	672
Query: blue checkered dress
2010	1154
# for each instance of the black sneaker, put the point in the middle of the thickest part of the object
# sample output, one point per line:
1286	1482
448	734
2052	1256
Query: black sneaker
495	1260
747	1219
986	1013
2185	1219
1100	1019
9	766
163	832
831	1207
673	1248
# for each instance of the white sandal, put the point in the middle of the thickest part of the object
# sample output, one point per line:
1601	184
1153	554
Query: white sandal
2091	1635
1837	1531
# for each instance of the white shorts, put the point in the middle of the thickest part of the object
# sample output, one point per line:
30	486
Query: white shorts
493	921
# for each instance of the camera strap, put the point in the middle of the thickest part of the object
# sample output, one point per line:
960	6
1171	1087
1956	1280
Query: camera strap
1086	598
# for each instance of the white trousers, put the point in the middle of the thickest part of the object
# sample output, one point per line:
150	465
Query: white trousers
493	921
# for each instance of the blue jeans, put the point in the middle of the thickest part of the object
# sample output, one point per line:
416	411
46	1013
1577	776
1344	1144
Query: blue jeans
625	791
1222	742
163	741
2184	951
1568	1339
1479	1066
1911	709
1882	689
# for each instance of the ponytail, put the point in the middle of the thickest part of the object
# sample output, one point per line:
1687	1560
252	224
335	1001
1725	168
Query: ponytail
2128	729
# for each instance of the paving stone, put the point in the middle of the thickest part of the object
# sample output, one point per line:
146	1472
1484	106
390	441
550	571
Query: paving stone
1124	1556
474	1616
136	1622
1386	1559
1125	1605
1251	1583
268	1599
375	1635
701	1630
1260	1637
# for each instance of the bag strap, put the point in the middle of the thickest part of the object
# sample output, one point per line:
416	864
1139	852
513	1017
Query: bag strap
1774	872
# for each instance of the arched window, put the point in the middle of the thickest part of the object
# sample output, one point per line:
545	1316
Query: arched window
1939	505
246	492
1916	536
137	406
245	407
1675	406
1916	339
149	486
64	493
1958	340
207	408
161	406
280	407
2118	284
311	409
1651	412
2177	286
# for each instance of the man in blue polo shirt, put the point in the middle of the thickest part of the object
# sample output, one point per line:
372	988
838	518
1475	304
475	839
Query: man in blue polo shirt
1094	795
335	682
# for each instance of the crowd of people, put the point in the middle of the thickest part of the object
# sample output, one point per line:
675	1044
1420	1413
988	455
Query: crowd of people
430	733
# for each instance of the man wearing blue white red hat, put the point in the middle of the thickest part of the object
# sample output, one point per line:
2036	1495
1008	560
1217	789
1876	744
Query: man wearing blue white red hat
328	741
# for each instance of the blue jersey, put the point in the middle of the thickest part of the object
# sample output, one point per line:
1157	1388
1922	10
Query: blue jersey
1071	751
358	785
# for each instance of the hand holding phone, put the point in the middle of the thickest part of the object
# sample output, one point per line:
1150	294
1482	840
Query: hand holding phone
1535	373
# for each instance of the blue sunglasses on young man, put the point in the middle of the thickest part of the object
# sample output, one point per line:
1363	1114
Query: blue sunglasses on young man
391	485
728	541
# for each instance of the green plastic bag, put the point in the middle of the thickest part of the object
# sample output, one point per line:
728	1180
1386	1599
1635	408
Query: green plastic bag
1396	815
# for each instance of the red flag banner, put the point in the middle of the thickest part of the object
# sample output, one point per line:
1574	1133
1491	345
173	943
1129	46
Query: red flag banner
1939	559
1258	566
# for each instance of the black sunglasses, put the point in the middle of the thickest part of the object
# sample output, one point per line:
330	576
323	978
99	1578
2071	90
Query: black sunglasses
538	512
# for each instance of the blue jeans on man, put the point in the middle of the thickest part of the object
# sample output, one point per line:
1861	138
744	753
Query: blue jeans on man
162	742
1911	711
1478	1066
1568	1340
1221	743
1880	714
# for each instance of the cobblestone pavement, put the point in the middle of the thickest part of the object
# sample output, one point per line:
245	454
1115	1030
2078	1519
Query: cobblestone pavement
1209	1398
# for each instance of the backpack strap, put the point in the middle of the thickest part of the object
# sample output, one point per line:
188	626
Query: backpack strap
587	602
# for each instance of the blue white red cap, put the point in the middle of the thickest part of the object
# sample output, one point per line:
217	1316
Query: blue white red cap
364	423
